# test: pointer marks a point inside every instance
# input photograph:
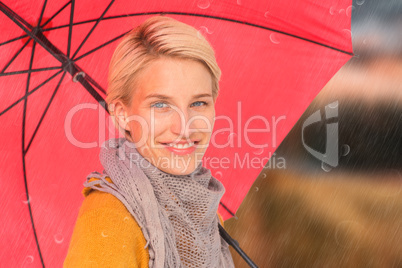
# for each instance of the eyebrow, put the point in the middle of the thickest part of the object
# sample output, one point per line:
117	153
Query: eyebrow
158	96
164	97
202	95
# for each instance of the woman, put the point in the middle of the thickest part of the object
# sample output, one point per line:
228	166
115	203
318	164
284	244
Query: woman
155	205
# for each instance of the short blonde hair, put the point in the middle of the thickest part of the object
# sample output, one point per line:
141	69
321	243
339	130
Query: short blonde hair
157	37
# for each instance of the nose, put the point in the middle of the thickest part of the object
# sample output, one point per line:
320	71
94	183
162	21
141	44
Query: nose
180	123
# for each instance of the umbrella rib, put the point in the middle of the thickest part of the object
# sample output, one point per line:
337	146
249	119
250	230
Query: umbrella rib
212	17
43	25
41	14
101	46
93	28
70	30
14	39
14	17
55	14
30	71
23	154
67	64
44	112
15	56
29	93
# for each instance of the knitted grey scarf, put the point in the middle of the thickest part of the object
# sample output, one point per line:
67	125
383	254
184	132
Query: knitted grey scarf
177	214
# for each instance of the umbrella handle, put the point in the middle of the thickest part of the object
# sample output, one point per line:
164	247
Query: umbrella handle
236	246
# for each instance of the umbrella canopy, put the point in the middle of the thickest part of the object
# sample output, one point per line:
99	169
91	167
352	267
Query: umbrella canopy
275	57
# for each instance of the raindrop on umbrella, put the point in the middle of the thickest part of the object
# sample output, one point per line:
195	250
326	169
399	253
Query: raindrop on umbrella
273	39
58	238
203	4
29	259
24	198
349	11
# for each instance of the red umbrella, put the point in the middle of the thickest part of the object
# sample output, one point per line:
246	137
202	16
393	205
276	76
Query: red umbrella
275	57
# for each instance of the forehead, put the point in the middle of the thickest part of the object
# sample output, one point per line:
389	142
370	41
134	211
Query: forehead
172	76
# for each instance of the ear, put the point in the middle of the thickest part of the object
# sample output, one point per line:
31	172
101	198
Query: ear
121	115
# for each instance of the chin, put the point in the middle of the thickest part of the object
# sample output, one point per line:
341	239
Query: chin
180	171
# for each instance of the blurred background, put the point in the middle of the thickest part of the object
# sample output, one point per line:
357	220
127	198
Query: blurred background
309	214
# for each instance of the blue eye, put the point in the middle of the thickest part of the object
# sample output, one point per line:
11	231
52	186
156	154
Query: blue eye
199	103
159	105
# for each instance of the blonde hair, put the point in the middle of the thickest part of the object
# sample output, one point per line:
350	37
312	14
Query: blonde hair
157	37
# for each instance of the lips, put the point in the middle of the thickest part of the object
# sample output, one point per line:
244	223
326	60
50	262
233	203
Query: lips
182	147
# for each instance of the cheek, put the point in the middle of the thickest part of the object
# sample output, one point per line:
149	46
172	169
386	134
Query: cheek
138	131
205	122
158	126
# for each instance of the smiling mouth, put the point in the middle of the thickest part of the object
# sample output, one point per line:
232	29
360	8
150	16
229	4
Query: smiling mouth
181	148
181	145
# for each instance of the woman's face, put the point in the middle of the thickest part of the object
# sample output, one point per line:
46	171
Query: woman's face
172	114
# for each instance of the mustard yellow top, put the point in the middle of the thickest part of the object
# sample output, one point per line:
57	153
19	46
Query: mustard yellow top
106	234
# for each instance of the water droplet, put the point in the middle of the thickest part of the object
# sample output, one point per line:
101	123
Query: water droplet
349	10
29	259
24	198
266	14
347	31
345	149
58	238
273	39
104	235
360	2
203	31
256	189
365	41
203	4
331	10
259	151
264	175
218	175
126	219
206	30
326	167
238	2
124	246
341	11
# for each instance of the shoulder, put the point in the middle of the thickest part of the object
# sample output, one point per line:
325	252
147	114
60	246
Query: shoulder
106	234
97	200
